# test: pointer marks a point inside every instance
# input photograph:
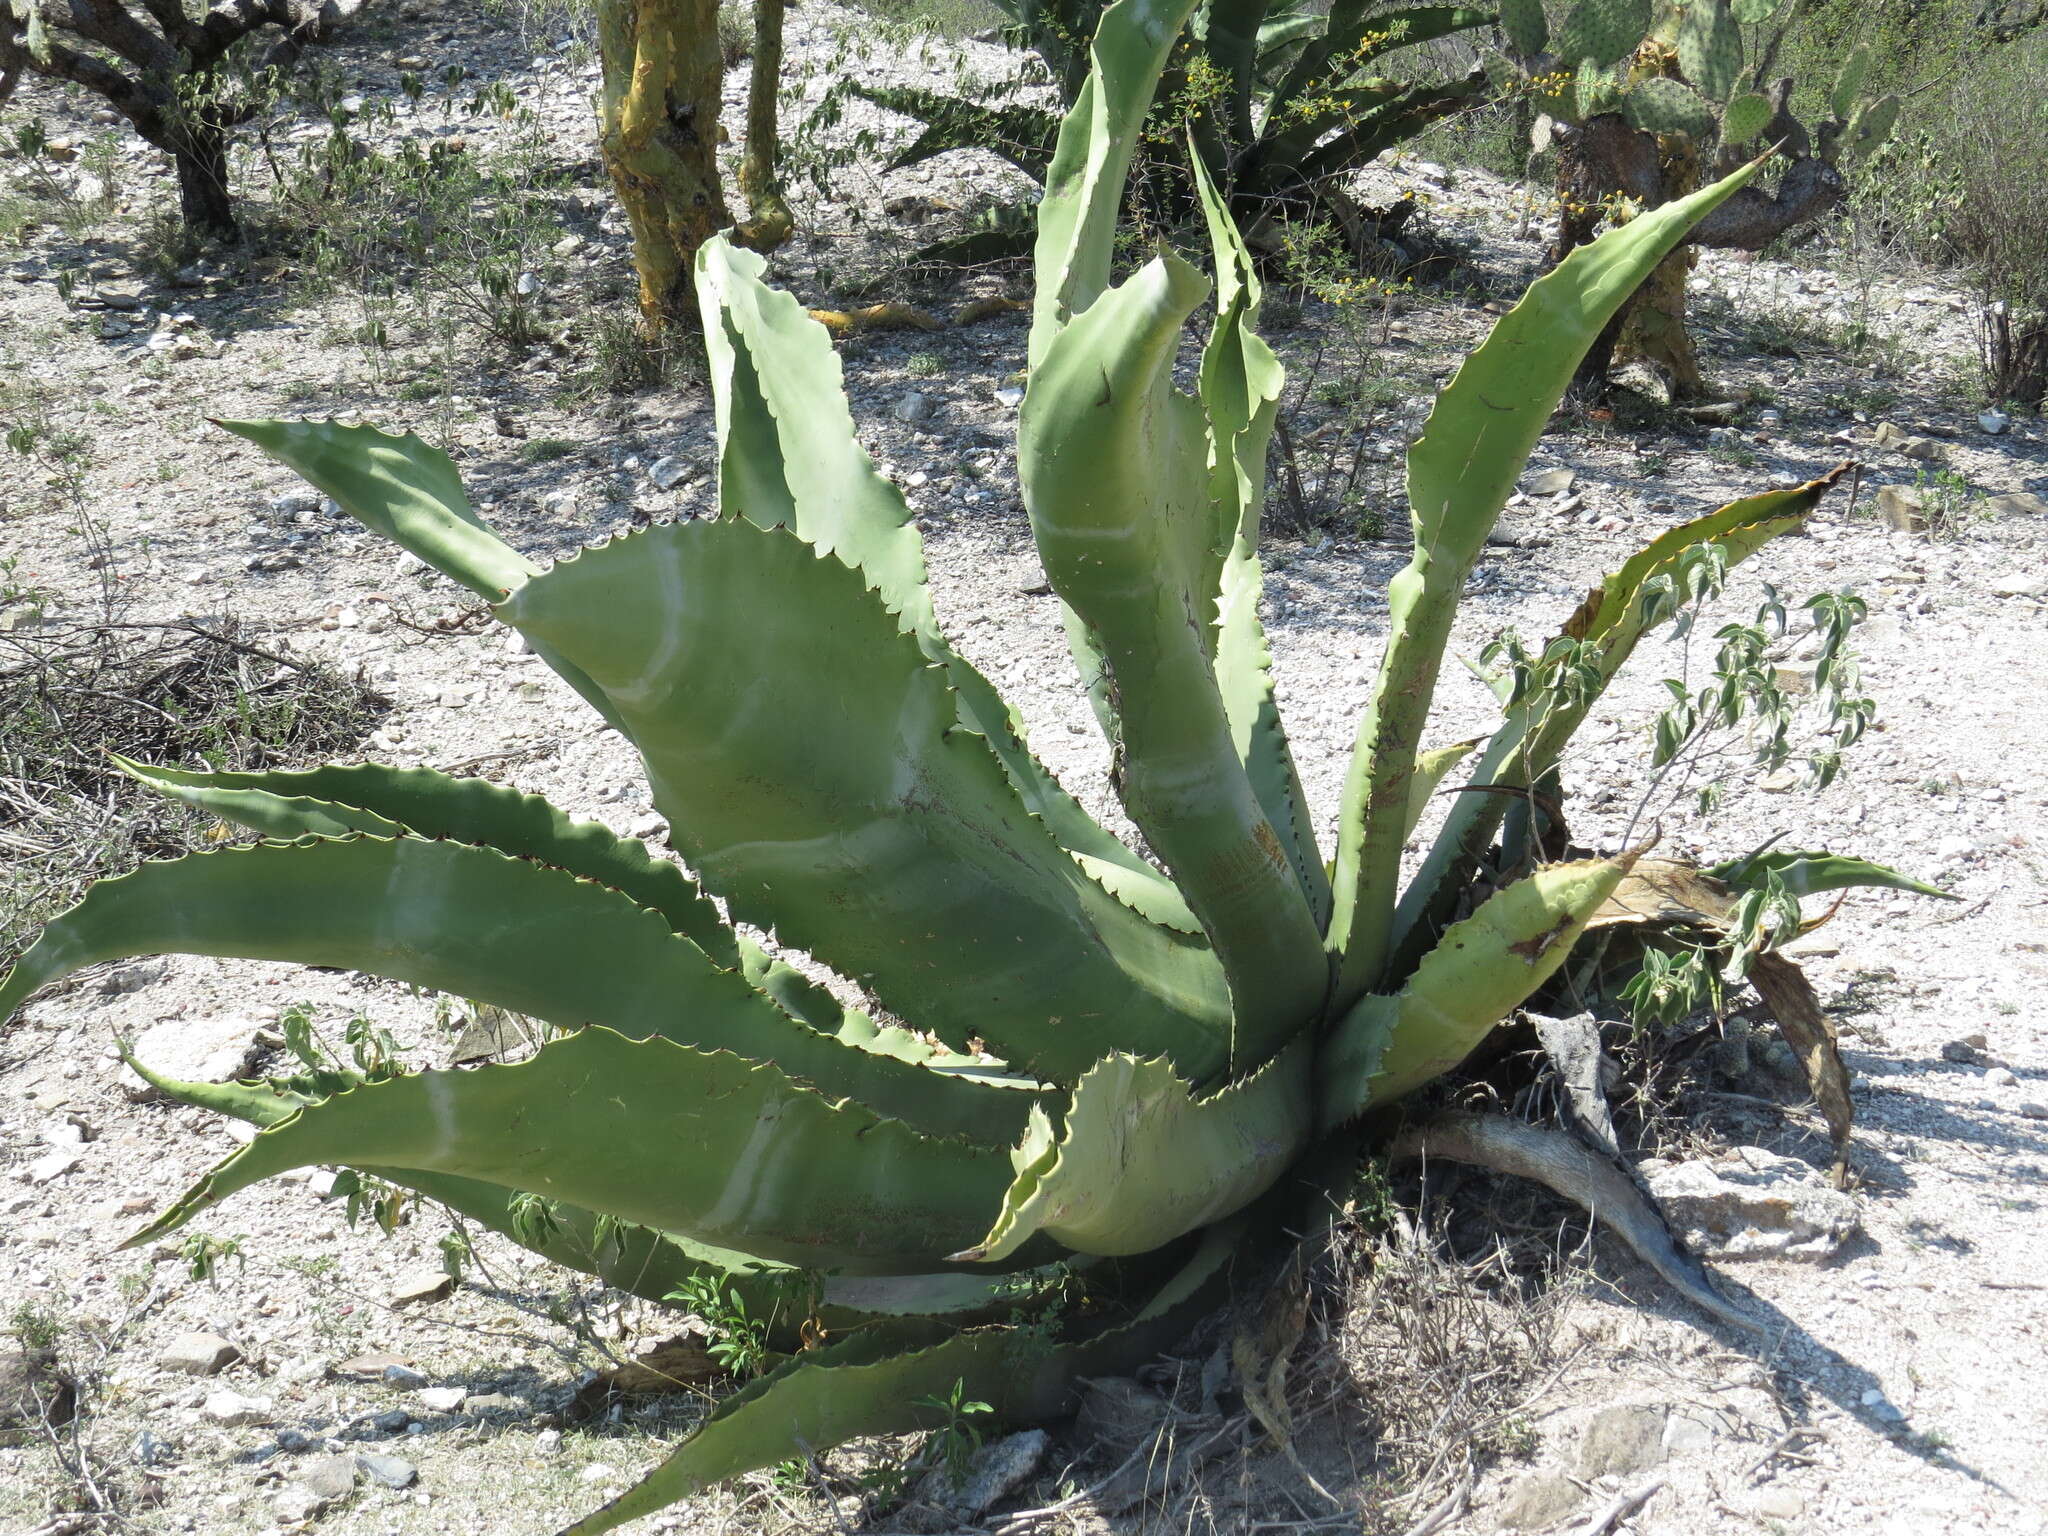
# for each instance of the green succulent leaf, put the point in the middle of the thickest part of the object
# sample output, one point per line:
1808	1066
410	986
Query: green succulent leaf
1754	13
1710	48
1526	26
1114	465
1648	589
1661	105
1745	117
725	1151
1241	380
880	1381
1084	188
1021	133
413	496
1481	969
1357	35
1602	32
816	773
1141	1160
482	925
1849	81
1460	473
1810	874
334	801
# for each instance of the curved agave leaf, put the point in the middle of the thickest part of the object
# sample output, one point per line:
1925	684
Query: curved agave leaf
881	1380
725	1150
1480	970
1084	188
1460	473
334	801
413	496
1359	32
789	458
1240	392
477	923
816	774
651	1264
1649	588
1140	1160
1021	133
1810	874
1112	459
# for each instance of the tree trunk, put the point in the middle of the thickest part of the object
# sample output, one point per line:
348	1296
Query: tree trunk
658	131
769	221
1655	330
201	160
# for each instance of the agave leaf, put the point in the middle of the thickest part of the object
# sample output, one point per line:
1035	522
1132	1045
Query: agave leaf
880	1381
1140	1160
1431	768
1113	460
816	774
477	923
1460	473
789	458
1358	33
413	496
1810	874
1646	590
726	1151
1233	34
1021	133
1400	119
1241	381
1481	969
1084	188
333	801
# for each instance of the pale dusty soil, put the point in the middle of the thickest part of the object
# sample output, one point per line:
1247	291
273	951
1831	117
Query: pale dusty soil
1938	1308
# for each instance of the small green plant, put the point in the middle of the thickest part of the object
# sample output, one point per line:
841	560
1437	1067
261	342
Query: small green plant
202	1254
456	1254
924	365
1950	504
955	1441
35	1327
739	1343
545	450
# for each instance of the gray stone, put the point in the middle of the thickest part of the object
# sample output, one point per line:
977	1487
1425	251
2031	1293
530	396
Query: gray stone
52	1166
1537	1501
294	1441
2001	1077
34	1393
913	407
2034	1111
418	1289
393	1421
296	1505
391	1471
442	1399
2018	584
1623	1440
491	1402
148	1450
198	1354
330	1477
1117	1412
2015	503
1548	482
1778	1504
994	1471
1993	422
1684	1434
1902	512
196	1051
405	1376
235	1410
1756	1204
1959	1051
667	471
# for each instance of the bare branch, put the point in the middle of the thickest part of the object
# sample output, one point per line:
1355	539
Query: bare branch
113	26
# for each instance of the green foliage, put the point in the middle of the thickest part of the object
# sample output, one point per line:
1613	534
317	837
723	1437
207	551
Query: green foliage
959	1437
1119	1075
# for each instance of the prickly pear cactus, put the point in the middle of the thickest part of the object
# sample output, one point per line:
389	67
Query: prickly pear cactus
1870	127
1660	105
1849	82
1527	28
1744	118
1754	13
1710	48
1603	31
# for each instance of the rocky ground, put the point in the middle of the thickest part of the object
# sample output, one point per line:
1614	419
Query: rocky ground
328	1373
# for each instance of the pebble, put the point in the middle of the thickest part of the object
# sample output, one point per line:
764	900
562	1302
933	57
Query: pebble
2032	1110
427	1285
667	472
913	407
1011	395
331	1477
1993	422
442	1399
391	1471
1548	482
548	1441
198	1354
1778	1504
598	1472
2018	584
149	1450
404	1376
235	1410
53	1166
1999	1077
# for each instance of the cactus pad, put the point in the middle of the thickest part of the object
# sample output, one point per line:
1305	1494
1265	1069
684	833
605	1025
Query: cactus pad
1660	105
1849	83
1527	29
1603	31
1754	13
1744	118
1871	126
1710	48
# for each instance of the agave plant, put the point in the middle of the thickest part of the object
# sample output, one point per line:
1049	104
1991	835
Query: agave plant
1284	101
1084	1069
